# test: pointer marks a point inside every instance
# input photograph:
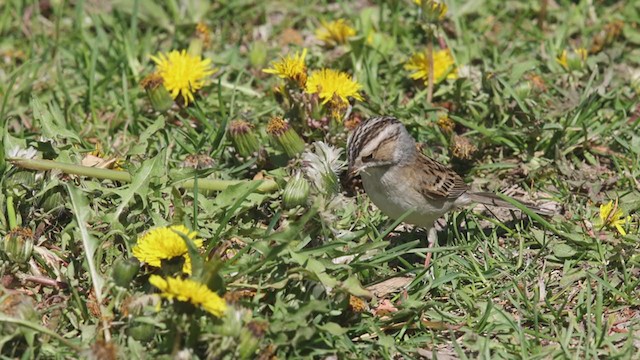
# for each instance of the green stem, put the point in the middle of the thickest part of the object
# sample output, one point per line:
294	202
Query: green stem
203	184
43	165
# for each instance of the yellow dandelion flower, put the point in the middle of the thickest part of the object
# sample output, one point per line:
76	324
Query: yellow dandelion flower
328	83
165	244
291	67
444	66
182	73
573	61
335	32
190	291
612	216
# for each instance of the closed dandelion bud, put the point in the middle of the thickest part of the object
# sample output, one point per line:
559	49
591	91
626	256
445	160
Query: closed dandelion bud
285	136
18	245
296	192
201	39
433	11
523	89
250	339
462	148
158	95
446	124
124	271
243	138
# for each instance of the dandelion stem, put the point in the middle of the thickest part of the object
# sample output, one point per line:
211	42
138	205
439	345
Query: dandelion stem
430	62
107	174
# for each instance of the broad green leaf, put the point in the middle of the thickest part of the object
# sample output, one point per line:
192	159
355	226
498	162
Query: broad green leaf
333	329
139	184
315	267
81	211
354	287
562	250
143	141
52	121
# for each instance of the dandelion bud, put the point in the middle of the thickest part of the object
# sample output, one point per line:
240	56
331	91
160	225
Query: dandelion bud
523	89
201	39
124	271
433	11
446	124
285	136
296	192
250	339
18	245
462	148
243	138
158	95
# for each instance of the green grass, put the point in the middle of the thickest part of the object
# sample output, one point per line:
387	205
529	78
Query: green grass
506	287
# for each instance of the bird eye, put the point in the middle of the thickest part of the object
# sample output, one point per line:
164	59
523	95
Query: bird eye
367	158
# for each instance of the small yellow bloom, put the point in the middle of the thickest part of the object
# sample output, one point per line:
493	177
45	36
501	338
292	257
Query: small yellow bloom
434	10
183	74
190	291
357	305
291	67
332	85
582	53
573	61
335	32
444	66
562	60
165	244
612	216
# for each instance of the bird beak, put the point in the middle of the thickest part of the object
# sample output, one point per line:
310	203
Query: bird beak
353	172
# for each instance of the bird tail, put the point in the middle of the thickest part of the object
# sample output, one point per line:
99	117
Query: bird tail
487	198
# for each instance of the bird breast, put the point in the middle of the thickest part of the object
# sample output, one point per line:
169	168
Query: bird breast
395	195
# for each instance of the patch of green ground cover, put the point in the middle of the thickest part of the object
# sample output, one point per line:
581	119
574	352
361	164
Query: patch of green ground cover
332	277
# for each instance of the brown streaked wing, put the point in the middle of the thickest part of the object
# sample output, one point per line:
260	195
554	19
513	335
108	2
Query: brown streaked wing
437	181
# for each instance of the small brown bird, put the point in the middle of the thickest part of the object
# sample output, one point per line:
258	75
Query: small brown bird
401	180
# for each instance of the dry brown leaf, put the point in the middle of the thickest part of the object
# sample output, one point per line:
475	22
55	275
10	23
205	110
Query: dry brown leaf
389	286
98	162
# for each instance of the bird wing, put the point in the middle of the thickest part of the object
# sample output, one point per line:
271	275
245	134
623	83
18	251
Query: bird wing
435	180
